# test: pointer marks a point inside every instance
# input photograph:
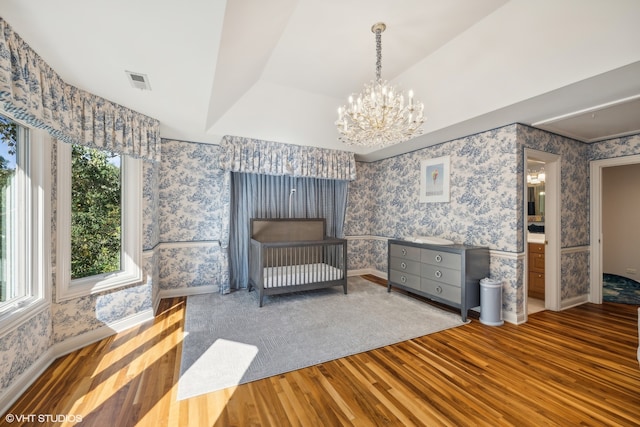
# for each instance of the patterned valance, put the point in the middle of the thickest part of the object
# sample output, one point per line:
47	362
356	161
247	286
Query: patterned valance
273	158
32	92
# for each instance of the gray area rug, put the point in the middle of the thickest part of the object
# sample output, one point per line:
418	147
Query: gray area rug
229	340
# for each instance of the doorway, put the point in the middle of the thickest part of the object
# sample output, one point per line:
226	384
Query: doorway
541	231
596	246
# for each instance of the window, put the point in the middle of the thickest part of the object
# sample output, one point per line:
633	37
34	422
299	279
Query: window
24	222
99	221
96	212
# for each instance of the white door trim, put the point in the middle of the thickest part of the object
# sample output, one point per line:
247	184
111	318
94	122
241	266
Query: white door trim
595	232
552	221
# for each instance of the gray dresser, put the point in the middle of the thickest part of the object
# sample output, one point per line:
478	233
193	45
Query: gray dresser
449	274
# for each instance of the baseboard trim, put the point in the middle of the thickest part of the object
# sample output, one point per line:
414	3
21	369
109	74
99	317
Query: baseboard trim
365	271
156	302
573	302
516	319
74	343
185	292
20	385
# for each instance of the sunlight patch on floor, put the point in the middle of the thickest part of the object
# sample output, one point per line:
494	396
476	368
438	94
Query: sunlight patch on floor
231	360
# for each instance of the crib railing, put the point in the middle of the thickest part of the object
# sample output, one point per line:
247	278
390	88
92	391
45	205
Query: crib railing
276	267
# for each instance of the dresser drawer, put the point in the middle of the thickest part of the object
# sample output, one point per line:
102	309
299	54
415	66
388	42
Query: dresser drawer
536	248
536	262
441	290
405	279
441	274
448	274
536	285
405	265
443	259
405	252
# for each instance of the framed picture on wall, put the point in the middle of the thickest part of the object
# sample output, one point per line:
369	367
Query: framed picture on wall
434	180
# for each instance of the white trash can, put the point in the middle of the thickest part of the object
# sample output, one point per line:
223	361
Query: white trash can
491	302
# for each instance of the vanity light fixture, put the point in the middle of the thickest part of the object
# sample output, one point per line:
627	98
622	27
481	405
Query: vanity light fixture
536	177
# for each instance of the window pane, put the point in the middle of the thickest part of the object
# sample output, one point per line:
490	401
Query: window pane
8	209
95	212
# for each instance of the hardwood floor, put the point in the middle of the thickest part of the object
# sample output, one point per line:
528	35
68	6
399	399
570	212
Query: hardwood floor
576	367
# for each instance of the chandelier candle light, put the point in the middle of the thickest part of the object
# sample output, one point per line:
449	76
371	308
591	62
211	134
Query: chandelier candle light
378	117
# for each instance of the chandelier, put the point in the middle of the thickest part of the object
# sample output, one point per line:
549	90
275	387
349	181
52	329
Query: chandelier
380	115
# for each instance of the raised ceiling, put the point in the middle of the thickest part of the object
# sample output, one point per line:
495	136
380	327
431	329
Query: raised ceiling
618	118
278	69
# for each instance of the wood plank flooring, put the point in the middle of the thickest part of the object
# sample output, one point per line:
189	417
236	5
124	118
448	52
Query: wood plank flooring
576	367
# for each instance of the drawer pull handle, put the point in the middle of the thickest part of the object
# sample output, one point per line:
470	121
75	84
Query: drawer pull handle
403	265
404	251
438	258
438	290
403	279
438	274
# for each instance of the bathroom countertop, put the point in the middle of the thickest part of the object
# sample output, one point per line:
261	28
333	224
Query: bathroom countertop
535	238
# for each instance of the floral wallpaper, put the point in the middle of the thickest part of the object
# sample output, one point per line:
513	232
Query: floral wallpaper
482	197
359	252
151	228
151	210
383	201
185	225
189	266
360	202
191	186
574	176
618	147
194	216
485	208
574	214
84	314
21	348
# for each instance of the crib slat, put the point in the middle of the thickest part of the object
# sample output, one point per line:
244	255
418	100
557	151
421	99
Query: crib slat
303	263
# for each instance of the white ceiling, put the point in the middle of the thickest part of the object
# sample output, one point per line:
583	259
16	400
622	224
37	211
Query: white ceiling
278	69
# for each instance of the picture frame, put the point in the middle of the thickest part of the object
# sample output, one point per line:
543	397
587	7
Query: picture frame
434	180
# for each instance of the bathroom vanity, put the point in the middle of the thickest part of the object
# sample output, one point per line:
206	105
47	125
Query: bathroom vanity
536	270
535	263
535	229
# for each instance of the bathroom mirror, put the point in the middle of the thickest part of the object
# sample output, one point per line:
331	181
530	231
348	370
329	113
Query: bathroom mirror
535	186
536	200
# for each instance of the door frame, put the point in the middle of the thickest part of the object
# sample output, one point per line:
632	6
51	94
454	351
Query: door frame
595	232
552	222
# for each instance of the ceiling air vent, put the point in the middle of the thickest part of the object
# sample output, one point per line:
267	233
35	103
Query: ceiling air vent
138	80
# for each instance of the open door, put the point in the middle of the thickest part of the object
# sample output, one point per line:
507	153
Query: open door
595	277
550	202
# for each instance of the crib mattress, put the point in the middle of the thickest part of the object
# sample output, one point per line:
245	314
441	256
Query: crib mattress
292	275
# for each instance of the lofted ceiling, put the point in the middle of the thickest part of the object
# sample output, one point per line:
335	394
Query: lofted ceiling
277	70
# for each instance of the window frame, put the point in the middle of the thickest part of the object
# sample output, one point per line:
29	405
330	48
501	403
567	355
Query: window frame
131	235
34	244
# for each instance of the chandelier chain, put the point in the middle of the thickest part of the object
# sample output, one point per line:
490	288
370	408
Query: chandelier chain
378	55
